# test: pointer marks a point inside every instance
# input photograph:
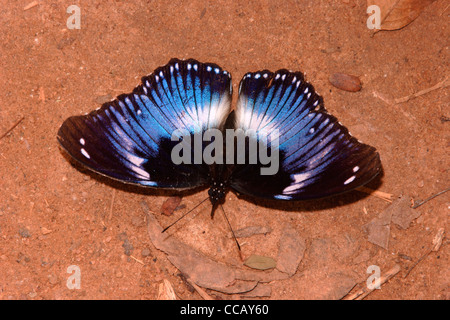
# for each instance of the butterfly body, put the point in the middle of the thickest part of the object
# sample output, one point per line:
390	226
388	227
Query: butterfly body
279	142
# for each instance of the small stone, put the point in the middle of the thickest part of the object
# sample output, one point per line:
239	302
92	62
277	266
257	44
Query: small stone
103	99
345	82
45	231
53	279
137	221
24	233
145	252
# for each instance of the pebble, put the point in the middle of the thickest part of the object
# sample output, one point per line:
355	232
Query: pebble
345	82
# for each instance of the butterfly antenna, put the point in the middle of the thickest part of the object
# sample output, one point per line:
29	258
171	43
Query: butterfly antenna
165	229
234	236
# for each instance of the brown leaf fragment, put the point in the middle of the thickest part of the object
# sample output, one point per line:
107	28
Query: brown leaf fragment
402	213
290	251
261	290
379	229
251	230
323	284
396	14
260	262
170	205
345	82
202	270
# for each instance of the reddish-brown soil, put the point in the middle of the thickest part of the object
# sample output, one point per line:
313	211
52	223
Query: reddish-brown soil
53	216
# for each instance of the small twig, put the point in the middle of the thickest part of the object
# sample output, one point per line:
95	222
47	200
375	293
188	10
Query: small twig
137	260
12	128
417	262
444	83
112	204
379	194
429	198
365	291
200	290
437	241
30	5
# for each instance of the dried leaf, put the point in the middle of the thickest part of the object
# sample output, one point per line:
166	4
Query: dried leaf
402	213
170	205
260	262
261	290
290	252
252	230
379	229
202	270
396	14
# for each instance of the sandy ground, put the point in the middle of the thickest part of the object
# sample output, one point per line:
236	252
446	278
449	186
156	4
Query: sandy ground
53	216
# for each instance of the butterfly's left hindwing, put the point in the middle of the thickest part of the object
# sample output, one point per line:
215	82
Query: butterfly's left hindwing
129	139
317	155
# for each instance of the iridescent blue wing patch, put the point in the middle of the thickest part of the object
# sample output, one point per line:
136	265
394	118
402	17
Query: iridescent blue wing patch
129	139
318	156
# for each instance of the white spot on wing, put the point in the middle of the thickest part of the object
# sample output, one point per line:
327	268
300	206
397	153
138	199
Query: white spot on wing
349	180
298	182
355	169
82	141
137	161
84	152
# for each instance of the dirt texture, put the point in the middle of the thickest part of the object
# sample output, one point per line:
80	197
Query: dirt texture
58	222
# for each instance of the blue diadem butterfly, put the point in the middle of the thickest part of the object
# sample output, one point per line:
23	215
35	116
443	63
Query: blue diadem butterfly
278	143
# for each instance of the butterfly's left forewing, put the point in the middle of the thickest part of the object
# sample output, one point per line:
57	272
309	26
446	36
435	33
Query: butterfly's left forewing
129	139
317	156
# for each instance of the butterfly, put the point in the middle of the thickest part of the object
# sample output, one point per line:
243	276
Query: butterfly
134	138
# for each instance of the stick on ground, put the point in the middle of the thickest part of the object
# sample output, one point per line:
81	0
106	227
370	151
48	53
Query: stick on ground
12	128
365	291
